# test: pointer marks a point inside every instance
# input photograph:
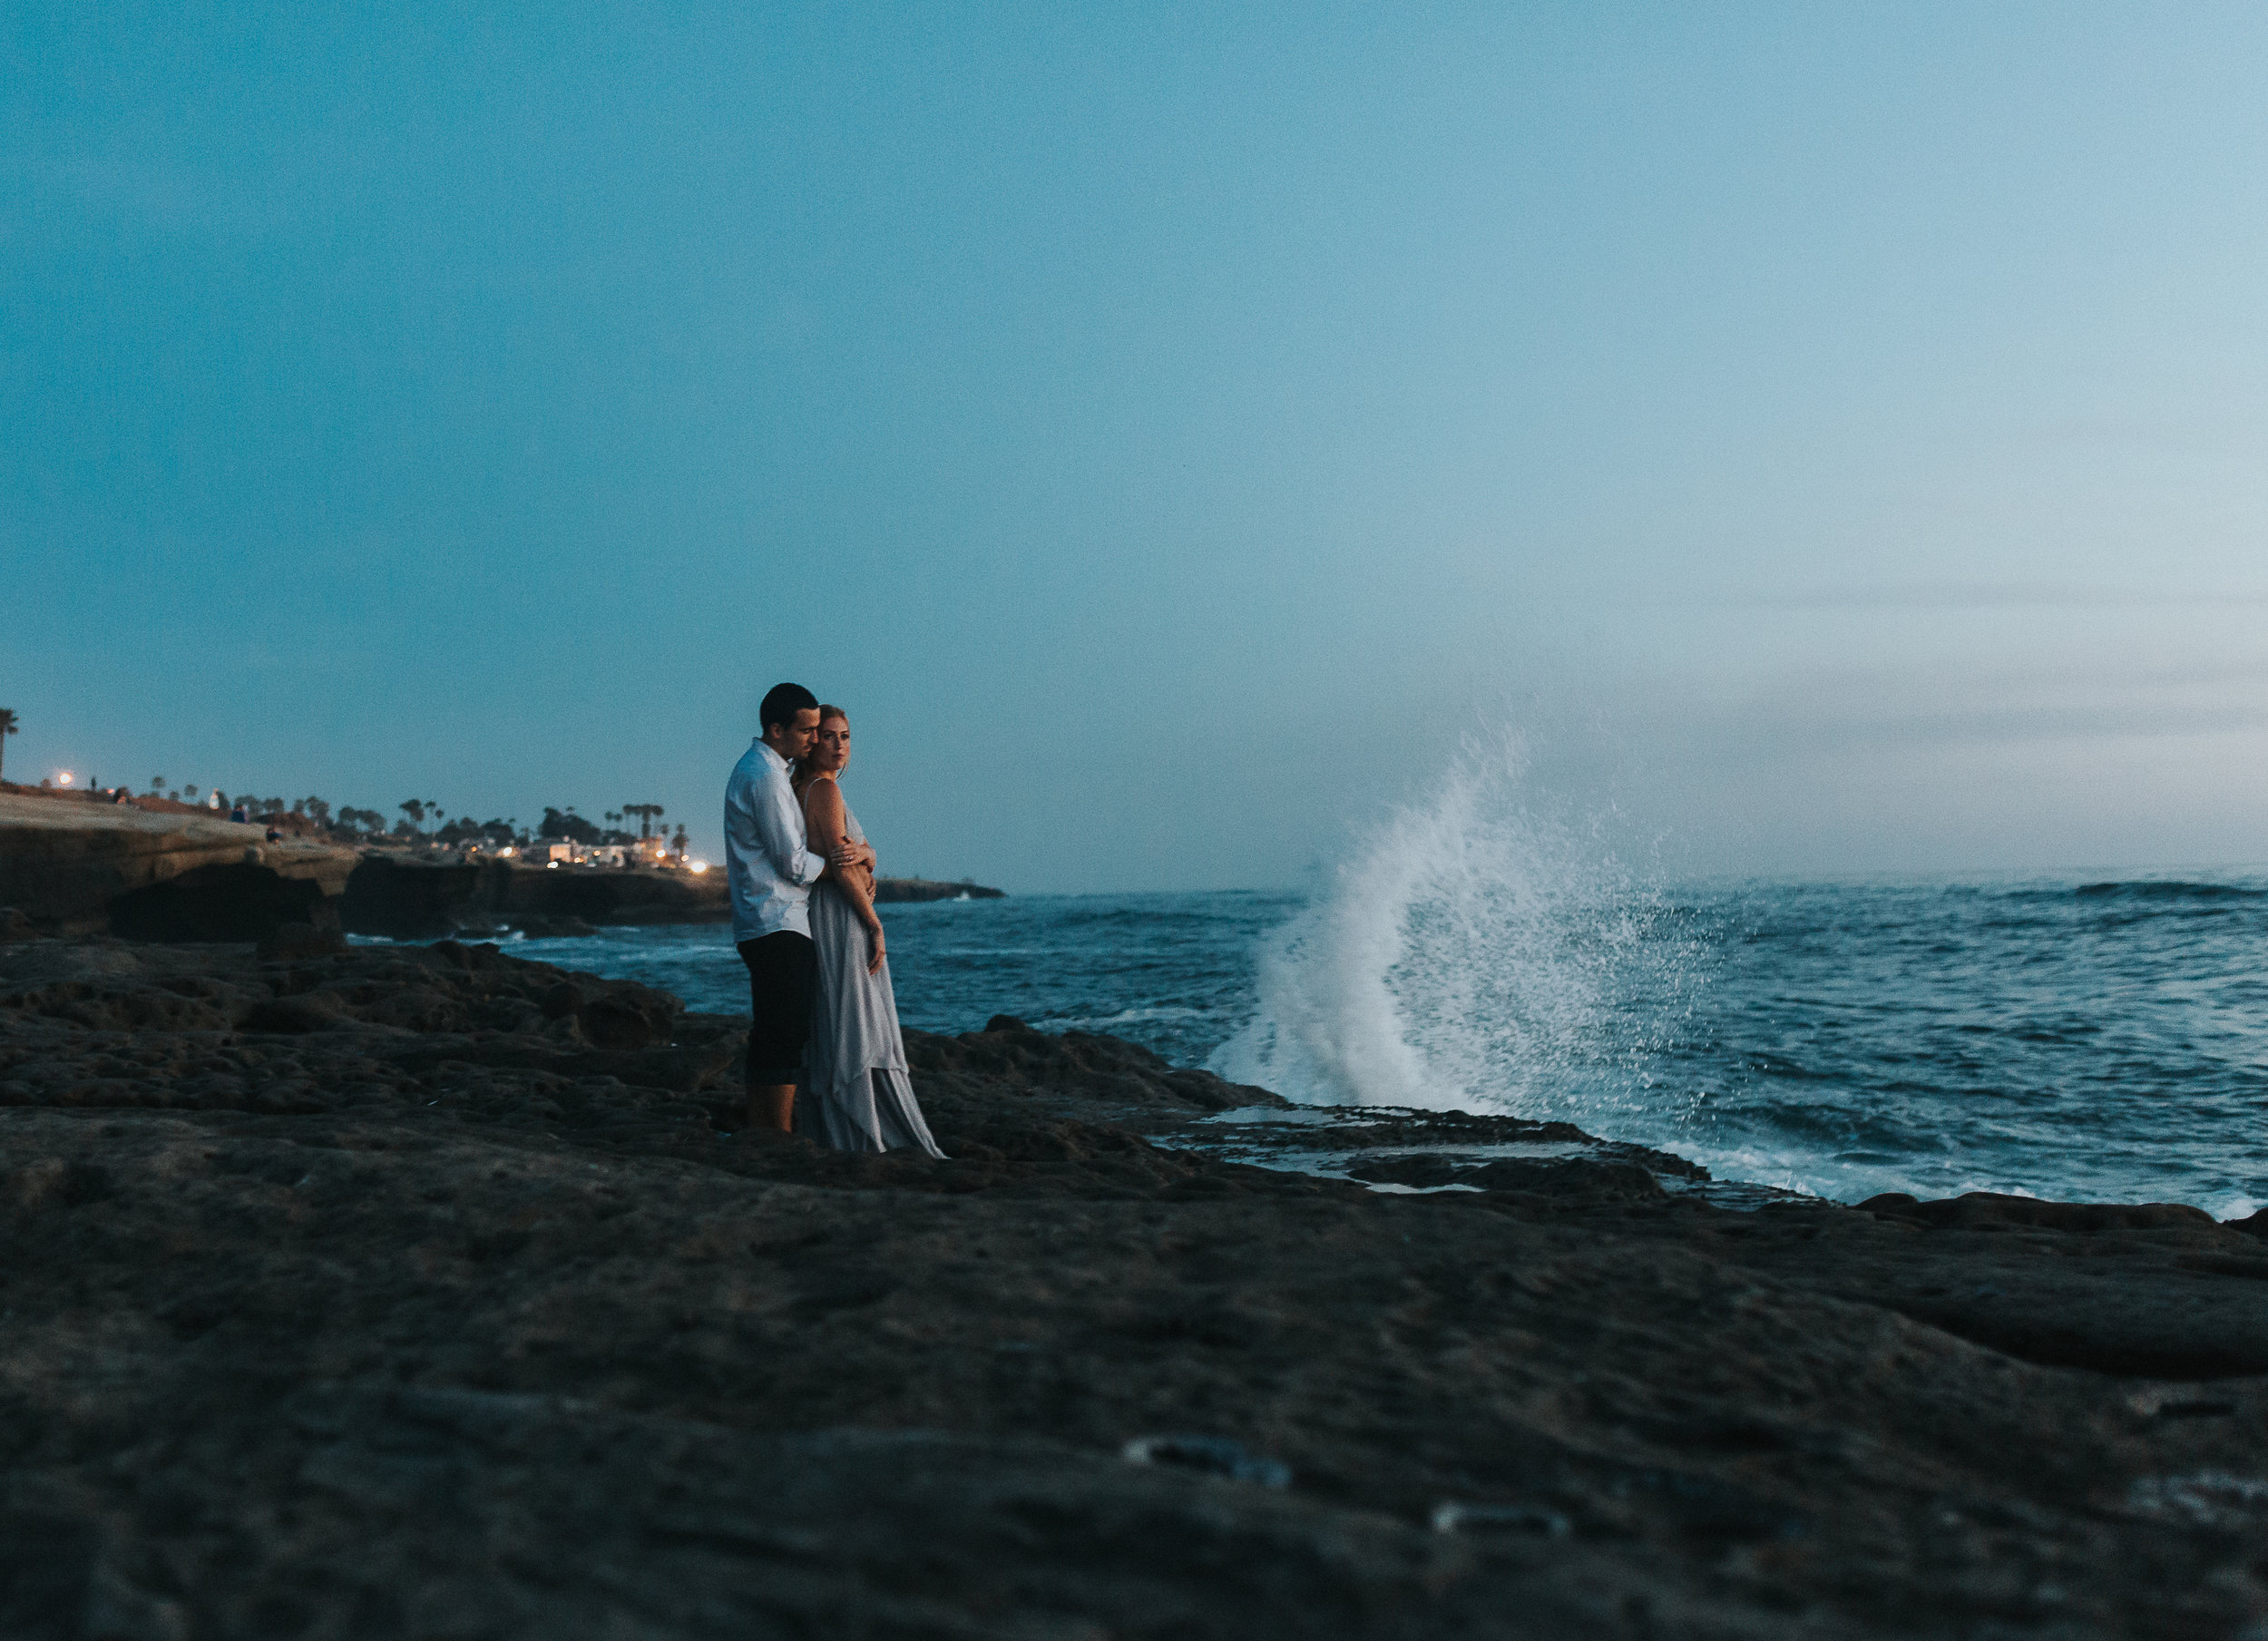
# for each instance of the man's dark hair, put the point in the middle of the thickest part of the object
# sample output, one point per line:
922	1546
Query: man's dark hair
783	702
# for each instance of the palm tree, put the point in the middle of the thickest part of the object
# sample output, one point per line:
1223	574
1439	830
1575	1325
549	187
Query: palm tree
7	727
415	810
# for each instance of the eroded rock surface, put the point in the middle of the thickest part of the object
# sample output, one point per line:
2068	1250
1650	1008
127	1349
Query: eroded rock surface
71	866
421	1292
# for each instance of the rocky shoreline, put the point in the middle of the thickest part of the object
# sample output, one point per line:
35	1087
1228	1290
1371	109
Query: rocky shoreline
68	866
172	871
424	1292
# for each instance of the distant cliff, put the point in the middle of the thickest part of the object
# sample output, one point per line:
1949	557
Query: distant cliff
923	888
76	867
174	871
400	895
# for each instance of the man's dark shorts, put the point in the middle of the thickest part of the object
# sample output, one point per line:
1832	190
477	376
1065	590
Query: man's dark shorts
783	968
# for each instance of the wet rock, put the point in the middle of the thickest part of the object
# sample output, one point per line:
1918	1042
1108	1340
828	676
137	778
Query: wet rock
1990	1210
302	940
1079	1065
1421	1173
1603	1177
1571	1177
1450	1133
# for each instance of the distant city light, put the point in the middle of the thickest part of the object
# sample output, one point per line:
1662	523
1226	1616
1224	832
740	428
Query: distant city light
505	850
64	779
701	865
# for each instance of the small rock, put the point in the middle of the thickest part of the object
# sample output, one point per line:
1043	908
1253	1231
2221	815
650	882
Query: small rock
1214	1455
555	928
1500	1518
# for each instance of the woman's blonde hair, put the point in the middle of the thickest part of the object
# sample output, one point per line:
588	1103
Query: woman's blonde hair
802	766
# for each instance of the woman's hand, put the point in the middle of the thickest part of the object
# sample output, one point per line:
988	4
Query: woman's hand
875	944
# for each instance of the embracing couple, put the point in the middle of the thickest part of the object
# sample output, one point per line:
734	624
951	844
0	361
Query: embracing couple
801	875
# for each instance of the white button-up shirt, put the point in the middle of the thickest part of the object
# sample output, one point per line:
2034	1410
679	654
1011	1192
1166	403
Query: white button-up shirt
768	868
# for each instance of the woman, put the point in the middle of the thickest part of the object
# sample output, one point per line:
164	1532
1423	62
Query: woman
862	1097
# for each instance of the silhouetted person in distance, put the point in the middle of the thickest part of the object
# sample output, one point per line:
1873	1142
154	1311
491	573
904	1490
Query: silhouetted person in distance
768	872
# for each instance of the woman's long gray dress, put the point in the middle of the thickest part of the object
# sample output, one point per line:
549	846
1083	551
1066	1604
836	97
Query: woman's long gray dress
861	1095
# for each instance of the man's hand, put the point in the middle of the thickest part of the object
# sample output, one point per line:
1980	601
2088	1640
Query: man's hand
846	855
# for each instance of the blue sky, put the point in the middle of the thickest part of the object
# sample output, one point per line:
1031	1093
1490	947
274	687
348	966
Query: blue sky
1833	435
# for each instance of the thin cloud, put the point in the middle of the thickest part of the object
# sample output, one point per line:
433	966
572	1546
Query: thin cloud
1826	711
2001	595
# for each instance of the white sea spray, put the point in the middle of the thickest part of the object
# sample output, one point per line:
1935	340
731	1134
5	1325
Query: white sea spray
1477	950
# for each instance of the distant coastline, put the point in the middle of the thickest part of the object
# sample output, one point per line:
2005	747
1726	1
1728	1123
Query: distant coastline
923	888
75	862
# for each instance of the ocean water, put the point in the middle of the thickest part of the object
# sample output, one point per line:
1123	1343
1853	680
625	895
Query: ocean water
2098	1036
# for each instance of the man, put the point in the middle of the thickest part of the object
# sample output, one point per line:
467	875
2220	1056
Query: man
769	871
